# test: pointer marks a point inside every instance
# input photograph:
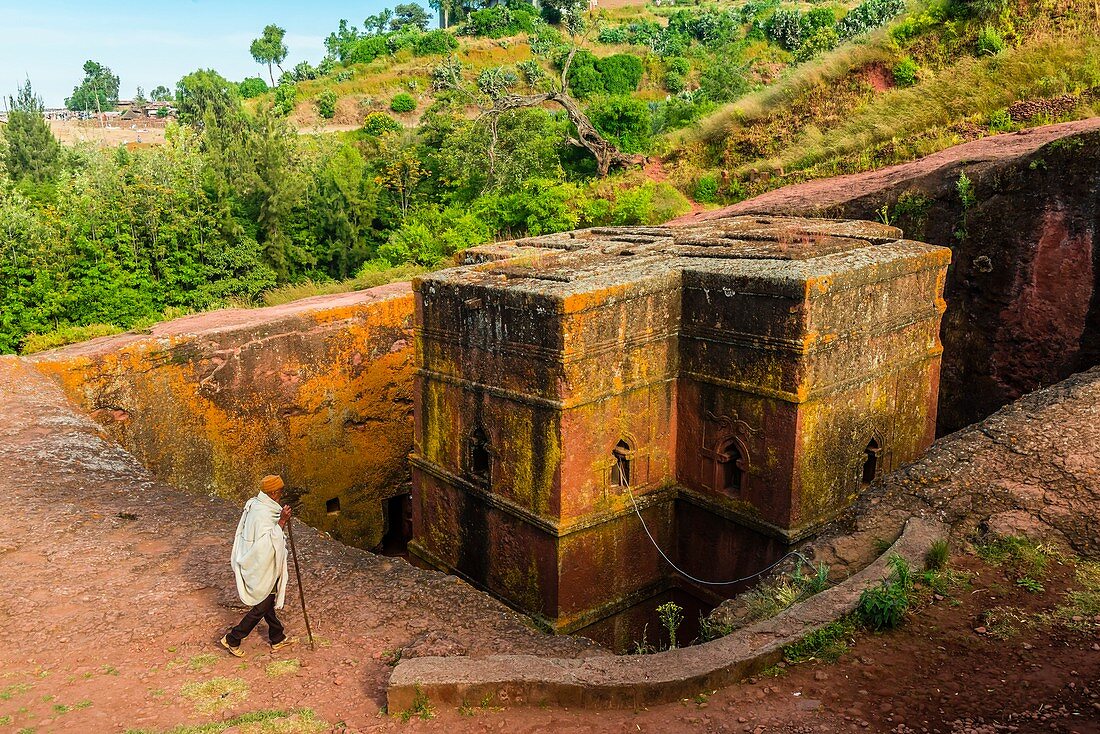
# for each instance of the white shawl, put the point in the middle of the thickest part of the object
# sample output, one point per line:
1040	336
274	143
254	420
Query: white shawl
259	552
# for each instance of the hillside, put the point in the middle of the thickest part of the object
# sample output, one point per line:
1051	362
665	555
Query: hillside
406	145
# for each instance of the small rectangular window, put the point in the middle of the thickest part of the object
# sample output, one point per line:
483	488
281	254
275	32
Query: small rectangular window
332	507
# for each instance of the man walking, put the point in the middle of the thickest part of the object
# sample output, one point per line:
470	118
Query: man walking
259	564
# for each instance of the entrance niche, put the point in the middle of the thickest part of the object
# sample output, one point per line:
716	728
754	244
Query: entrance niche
397	512
623	453
730	466
871	461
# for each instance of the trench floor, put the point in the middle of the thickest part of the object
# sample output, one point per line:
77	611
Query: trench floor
116	588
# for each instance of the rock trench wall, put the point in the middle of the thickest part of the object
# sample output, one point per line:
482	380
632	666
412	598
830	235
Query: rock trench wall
319	391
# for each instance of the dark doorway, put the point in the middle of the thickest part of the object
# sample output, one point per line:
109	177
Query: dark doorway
481	463
398	514
870	464
731	467
620	471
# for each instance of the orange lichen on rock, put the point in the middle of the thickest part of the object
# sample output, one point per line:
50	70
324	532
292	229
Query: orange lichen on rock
318	391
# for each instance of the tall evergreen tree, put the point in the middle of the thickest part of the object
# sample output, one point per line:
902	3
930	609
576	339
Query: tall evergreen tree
32	150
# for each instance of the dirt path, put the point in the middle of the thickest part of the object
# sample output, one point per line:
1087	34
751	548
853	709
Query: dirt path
117	586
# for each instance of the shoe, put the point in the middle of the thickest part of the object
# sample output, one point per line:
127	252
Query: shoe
234	651
287	642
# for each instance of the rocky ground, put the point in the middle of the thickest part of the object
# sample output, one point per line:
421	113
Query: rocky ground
117	587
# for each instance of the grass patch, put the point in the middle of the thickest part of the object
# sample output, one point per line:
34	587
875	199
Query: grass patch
773	596
365	279
1021	558
1005	622
1081	607
936	557
282	667
485	706
67	335
216	694
827	643
421	708
967	88
13	690
61	708
300	721
200	663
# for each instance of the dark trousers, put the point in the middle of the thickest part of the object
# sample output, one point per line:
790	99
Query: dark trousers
265	610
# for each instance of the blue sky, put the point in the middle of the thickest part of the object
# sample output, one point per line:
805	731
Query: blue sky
150	43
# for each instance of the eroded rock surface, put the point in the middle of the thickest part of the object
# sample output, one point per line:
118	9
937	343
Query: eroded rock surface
318	390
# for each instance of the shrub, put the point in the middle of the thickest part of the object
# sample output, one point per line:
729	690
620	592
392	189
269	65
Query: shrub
286	94
304	72
868	15
402	103
378	123
883	607
990	41
625	120
621	73
435	42
674	82
585	80
937	555
816	19
366	50
326	104
724	80
706	189
784	29
251	87
906	72
1000	121
816	43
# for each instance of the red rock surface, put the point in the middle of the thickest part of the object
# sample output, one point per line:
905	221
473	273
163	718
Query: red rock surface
1023	291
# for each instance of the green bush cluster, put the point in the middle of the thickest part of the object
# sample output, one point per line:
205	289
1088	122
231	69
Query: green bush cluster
402	102
868	15
510	19
326	104
990	41
884	606
286	96
379	123
251	87
590	76
906	72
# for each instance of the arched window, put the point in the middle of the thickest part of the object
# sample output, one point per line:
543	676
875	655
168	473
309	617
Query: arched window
871	462
731	467
620	470
480	460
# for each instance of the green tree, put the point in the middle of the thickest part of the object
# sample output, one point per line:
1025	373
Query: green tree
270	49
98	91
409	15
252	86
206	94
161	93
32	151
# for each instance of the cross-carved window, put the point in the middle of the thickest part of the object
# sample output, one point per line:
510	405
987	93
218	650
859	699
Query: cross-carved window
731	467
871	462
620	470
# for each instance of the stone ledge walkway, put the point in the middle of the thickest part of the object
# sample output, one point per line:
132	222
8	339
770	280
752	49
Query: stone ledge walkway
117	586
